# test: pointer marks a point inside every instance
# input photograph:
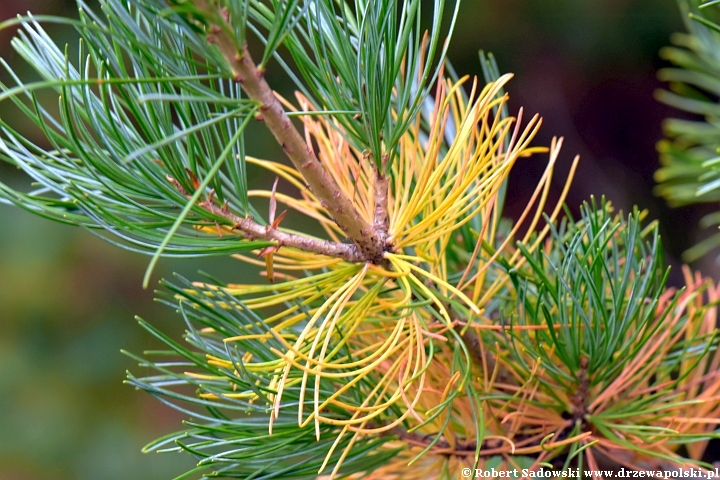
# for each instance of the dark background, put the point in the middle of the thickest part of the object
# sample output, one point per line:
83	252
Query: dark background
67	299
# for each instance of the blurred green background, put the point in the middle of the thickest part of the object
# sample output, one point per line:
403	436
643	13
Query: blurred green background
67	299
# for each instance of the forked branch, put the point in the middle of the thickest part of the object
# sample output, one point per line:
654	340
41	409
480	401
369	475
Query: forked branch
369	241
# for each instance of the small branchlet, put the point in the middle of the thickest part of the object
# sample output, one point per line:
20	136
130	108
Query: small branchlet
253	230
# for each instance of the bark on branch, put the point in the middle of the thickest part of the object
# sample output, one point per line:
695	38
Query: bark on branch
380	222
254	230
370	244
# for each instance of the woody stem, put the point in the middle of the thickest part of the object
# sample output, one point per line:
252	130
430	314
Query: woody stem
368	240
252	229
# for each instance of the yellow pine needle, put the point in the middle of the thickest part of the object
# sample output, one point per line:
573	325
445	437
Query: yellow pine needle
403	384
478	245
311	323
431	174
439	281
331	276
200	376
257	336
386	382
328	324
361	429
395	343
250	367
357	311
299	357
269	267
284	261
356	325
555	149
546	177
392	343
215	228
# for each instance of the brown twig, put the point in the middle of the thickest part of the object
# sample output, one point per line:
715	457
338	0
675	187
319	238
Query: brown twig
579	399
254	230
380	222
441	445
470	338
472	342
338	205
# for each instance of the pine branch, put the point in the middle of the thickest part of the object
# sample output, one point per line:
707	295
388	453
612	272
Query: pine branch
440	446
254	230
338	205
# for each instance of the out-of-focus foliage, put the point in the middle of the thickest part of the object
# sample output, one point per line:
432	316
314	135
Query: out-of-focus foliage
64	412
690	157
